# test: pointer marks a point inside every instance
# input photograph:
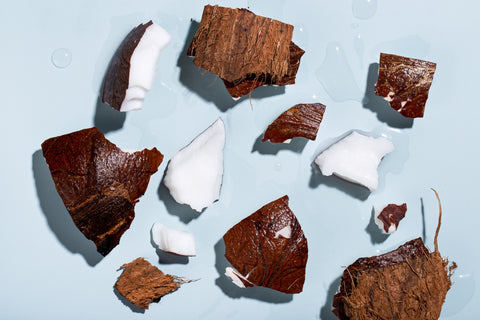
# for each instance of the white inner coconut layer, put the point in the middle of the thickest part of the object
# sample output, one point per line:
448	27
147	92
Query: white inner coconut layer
236	277
285	232
355	158
142	66
173	240
194	174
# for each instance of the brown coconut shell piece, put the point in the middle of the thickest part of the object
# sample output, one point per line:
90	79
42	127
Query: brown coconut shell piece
256	248
117	77
409	282
392	214
99	183
245	50
301	120
405	83
141	283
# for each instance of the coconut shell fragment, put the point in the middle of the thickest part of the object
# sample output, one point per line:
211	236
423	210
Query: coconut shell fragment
301	120
405	83
409	282
99	183
141	283
269	249
132	68
245	50
390	217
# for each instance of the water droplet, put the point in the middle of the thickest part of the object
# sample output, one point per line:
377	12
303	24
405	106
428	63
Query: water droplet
278	166
314	96
364	9
359	46
61	58
459	294
336	76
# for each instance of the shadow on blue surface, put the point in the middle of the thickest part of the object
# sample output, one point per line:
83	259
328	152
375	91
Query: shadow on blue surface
184	212
127	303
326	310
57	216
296	145
209	86
380	106
107	119
233	291
376	235
351	189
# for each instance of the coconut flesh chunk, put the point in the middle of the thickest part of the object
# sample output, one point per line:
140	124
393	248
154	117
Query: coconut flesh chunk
172	240
142	66
236	277
194	174
355	158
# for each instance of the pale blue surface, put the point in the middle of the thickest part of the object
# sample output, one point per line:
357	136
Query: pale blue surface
49	271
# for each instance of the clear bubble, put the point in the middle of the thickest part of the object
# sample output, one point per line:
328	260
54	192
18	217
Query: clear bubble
336	76
364	9
61	58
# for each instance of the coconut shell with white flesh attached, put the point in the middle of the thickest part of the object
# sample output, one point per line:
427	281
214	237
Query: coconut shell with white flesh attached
268	249
194	174
355	158
132	69
173	241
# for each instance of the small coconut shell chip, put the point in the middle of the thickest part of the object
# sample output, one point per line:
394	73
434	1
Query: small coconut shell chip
141	283
245	50
301	120
390	217
99	183
269	249
409	282
404	83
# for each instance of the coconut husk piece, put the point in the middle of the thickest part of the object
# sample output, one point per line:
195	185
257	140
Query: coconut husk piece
141	283
301	120
405	83
245	50
407	283
99	183
268	248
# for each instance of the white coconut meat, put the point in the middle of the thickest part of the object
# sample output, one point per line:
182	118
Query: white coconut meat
142	66
194	174
236	277
173	240
355	158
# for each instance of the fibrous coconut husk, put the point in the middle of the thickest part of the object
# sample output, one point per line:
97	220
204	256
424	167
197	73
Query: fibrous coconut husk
408	283
141	283
245	50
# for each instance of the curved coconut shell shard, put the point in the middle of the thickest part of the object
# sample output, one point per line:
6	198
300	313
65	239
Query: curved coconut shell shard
245	50
407	283
405	83
132	69
99	183
141	283
269	249
302	120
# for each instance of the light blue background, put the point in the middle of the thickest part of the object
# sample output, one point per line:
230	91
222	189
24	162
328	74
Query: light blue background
49	270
